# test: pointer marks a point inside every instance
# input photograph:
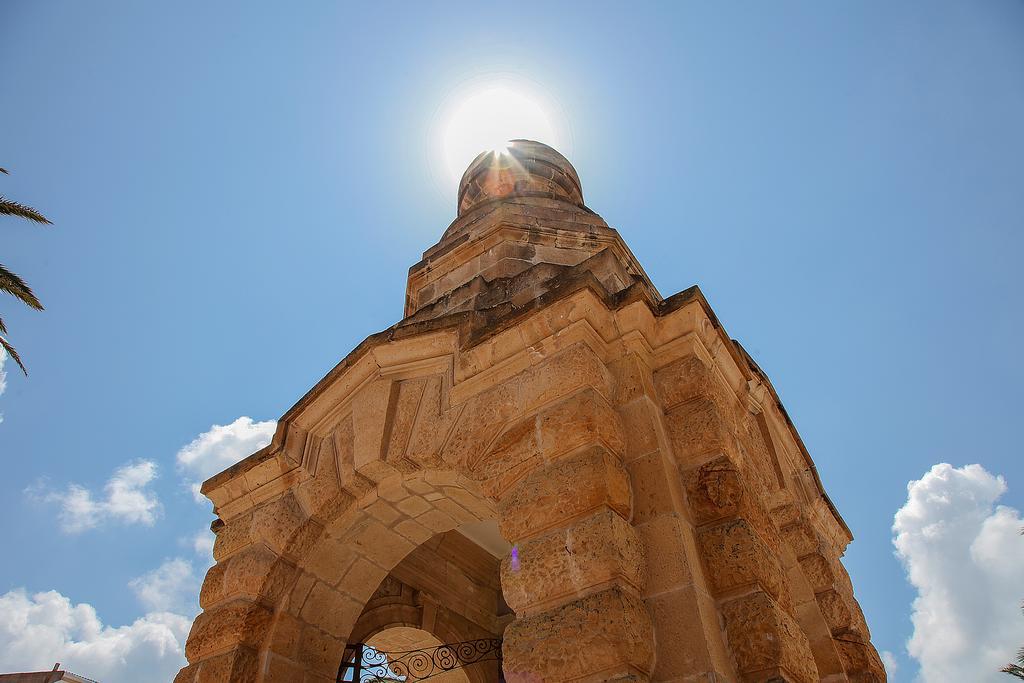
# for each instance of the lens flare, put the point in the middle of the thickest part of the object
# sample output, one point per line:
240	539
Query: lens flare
487	119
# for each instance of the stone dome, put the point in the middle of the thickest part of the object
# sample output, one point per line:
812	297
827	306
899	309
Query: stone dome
523	169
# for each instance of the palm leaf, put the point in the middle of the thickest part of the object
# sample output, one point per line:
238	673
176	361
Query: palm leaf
1013	670
13	353
18	288
9	208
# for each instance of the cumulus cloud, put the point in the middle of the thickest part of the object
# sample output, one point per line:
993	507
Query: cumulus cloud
171	587
202	544
37	630
221	447
126	498
965	557
891	665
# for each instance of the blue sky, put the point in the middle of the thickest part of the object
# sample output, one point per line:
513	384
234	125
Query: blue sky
239	188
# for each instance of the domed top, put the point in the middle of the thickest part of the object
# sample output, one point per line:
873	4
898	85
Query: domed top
523	169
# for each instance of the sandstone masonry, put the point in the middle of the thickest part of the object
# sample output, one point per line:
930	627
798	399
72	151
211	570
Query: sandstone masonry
667	521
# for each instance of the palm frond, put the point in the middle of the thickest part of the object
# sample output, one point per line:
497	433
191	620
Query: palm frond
9	208
3	328
18	288
13	353
1013	670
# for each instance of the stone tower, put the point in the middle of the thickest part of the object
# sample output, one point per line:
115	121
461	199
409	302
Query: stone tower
544	455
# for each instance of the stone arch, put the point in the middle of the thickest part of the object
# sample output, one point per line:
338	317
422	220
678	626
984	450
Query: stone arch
351	557
540	451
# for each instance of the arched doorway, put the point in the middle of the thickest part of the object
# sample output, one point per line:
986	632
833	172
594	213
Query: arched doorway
439	614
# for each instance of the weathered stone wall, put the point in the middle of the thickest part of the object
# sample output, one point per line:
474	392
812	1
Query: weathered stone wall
667	523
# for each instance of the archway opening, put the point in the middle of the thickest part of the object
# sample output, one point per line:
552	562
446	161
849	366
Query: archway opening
439	614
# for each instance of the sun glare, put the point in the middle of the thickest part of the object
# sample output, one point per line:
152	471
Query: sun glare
487	119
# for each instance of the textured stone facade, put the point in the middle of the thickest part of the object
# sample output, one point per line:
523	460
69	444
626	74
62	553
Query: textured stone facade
665	521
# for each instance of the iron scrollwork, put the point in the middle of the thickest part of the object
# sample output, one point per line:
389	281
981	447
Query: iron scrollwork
364	664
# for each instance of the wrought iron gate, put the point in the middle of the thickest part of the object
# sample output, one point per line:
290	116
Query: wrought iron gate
364	664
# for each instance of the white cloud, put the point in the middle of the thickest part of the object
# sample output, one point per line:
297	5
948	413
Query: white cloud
127	499
3	377
891	665
202	544
221	447
37	630
171	587
965	557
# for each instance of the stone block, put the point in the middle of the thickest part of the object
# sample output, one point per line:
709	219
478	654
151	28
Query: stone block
639	428
681	636
362	579
565	564
322	497
482	417
818	571
239	622
320	652
383	512
599	637
330	558
690	378
241	665
381	545
414	531
564	373
718	490
630	380
433	424
859	658
736	557
835	610
766	642
581	420
565	489
254	573
281	670
511	456
369	417
412	506
652	492
284	636
668	552
802	538
698	429
331	611
233	536
406	406
279	523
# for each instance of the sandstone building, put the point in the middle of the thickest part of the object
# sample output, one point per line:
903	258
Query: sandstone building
545	455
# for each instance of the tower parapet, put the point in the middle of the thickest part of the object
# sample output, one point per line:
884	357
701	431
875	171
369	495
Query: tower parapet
522	223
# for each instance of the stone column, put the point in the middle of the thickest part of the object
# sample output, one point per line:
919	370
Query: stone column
834	594
256	555
577	568
688	642
738	542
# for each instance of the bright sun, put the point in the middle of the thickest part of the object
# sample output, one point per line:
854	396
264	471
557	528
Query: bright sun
487	119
